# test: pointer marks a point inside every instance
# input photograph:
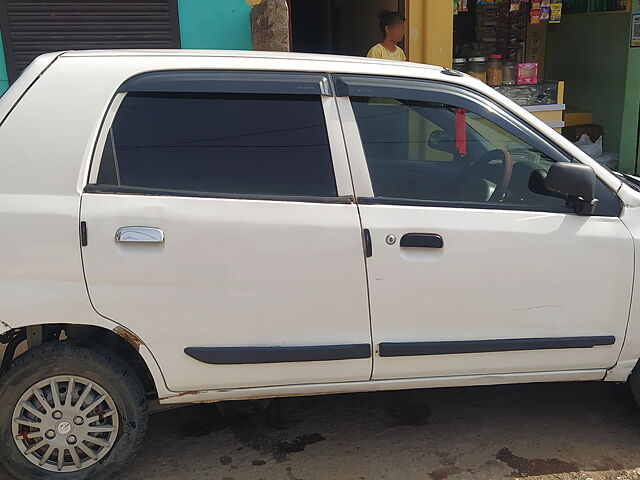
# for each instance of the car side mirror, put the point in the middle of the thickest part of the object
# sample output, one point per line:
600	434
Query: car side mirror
442	141
576	181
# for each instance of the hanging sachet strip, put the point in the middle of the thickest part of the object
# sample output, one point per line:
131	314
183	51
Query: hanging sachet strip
461	131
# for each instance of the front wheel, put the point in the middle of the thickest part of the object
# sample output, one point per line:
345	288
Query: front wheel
70	413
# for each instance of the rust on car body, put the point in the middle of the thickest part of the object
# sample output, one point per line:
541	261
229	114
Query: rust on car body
131	338
185	394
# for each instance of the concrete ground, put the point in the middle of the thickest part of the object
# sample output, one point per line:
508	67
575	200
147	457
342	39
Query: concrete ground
544	431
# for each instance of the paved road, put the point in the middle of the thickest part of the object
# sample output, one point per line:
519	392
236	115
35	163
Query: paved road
551	431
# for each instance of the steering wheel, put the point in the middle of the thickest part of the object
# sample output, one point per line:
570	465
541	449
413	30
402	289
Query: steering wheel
476	167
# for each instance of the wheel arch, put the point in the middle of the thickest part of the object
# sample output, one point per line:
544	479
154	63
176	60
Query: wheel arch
118	340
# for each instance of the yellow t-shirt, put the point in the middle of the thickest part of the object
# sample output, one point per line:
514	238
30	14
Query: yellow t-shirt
380	51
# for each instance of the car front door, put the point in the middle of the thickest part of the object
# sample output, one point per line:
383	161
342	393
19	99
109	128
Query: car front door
221	230
475	268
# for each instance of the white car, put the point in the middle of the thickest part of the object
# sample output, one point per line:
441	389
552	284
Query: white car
194	226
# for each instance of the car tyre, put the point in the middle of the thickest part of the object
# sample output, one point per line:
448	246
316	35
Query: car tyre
92	431
634	383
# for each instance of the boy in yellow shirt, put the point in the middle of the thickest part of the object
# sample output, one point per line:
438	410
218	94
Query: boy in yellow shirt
392	25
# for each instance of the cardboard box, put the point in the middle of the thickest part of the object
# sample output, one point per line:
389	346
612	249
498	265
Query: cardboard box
574	132
574	117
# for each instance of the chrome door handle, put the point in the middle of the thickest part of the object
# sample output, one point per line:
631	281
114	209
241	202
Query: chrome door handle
139	235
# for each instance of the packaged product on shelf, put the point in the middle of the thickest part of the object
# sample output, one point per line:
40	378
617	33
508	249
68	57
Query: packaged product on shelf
459	6
509	73
556	12
494	70
535	16
545	13
478	68
460	64
527	73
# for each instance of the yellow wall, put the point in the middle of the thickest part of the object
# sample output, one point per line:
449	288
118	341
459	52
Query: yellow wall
430	32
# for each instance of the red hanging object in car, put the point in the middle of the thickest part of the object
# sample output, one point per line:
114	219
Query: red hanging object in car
461	131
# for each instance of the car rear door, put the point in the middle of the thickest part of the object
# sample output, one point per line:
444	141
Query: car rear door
221	229
461	284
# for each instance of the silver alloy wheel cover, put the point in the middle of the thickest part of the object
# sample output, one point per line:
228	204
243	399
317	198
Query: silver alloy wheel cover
68	434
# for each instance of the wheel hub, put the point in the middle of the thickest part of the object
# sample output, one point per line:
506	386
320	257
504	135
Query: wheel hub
65	424
64	427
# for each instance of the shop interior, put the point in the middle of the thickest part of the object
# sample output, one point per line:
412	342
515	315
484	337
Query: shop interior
526	49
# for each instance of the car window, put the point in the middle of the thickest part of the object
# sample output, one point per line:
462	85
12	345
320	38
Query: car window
220	143
421	150
398	129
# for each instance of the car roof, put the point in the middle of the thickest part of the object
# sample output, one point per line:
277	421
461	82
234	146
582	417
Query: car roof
241	53
281	60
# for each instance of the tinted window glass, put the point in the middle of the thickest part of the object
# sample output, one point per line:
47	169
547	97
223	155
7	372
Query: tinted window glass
433	151
220	143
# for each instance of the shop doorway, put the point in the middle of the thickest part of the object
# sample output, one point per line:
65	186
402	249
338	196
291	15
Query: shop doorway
344	27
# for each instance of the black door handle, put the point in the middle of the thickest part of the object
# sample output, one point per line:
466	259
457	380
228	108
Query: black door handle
368	249
421	240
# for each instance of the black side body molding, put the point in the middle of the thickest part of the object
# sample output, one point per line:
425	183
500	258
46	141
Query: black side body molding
410	349
252	355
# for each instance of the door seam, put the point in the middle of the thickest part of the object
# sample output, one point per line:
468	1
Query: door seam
633	282
86	286
364	256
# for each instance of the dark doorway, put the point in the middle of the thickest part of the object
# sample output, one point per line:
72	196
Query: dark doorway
345	27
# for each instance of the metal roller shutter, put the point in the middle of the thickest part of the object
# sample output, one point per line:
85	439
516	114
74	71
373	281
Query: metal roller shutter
30	28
